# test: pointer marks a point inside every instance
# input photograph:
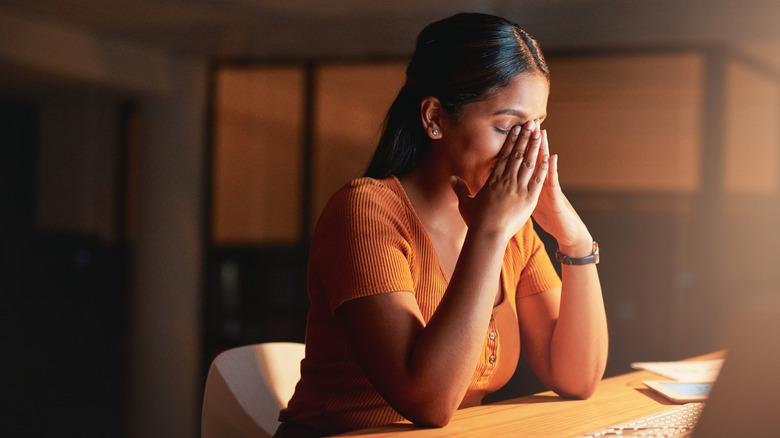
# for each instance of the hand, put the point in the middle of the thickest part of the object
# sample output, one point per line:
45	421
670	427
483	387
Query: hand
555	214
505	202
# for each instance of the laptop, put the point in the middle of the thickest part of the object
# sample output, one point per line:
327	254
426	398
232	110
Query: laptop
745	399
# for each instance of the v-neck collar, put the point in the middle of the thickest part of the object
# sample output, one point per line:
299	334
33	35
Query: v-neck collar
395	184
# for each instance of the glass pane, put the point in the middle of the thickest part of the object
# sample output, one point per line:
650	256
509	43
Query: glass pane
752	133
351	103
258	135
627	123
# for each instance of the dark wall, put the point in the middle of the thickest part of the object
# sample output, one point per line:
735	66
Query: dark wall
62	308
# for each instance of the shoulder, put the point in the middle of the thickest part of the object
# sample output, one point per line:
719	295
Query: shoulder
362	243
525	250
525	242
369	188
368	197
367	208
527	263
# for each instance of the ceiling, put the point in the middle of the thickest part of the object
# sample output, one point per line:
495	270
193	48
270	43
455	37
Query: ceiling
285	29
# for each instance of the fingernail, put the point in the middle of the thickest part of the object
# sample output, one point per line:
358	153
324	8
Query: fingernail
545	158
531	125
516	129
536	134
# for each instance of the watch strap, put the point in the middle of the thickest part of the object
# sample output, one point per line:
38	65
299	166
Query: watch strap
566	260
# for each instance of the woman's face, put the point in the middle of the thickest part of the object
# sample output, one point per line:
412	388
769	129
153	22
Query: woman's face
471	144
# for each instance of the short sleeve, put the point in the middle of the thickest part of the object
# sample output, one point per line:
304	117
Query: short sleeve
361	245
536	271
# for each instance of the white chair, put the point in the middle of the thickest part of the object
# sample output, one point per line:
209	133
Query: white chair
247	386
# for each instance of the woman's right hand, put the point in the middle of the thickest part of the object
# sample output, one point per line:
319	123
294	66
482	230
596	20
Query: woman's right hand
509	196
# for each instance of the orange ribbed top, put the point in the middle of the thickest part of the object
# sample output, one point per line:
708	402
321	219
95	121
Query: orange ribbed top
370	241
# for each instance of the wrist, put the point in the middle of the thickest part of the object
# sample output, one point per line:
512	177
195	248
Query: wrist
487	247
581	248
490	230
490	237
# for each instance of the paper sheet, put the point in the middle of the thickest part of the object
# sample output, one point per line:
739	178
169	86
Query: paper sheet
684	371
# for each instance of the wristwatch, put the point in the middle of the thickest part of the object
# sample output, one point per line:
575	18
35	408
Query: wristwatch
592	258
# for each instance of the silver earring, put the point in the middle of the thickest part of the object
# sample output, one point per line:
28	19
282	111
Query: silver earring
435	132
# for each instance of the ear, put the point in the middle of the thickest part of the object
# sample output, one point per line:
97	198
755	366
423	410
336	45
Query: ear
431	111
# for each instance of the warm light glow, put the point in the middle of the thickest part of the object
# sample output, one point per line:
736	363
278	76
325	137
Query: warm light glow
352	101
257	155
628	123
752	136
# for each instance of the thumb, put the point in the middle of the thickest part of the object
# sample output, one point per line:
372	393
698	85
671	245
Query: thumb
460	188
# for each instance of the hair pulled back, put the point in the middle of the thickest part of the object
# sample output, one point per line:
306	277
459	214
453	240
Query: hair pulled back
461	59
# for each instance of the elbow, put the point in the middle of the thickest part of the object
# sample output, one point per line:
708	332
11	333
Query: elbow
578	394
577	390
434	420
432	414
426	403
578	383
432	417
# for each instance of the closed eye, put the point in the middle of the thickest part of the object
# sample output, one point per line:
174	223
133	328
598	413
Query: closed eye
501	131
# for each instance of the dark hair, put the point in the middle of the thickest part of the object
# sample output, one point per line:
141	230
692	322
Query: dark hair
461	59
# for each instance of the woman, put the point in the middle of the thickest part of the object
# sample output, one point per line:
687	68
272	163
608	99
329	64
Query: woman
426	276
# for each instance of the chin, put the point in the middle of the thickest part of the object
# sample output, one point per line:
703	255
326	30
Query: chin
476	181
481	180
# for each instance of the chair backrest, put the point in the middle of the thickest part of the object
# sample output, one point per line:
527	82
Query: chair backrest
247	386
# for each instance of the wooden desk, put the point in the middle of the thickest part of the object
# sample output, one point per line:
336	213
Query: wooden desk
617	399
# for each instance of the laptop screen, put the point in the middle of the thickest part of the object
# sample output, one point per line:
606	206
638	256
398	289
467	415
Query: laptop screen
745	400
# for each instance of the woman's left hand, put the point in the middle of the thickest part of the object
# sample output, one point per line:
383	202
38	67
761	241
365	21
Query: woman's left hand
555	214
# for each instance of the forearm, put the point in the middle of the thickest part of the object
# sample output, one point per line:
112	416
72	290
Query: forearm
426	373
443	359
578	350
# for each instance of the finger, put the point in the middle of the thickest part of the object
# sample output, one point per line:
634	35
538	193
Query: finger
530	158
506	150
540	176
460	188
552	178
518	150
553	172
545	150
